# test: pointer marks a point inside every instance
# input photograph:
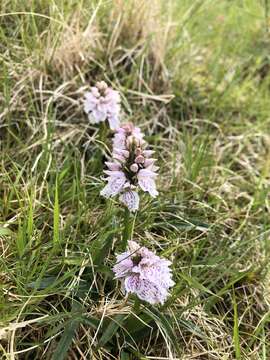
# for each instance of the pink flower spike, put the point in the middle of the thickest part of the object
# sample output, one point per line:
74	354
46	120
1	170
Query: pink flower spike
103	103
130	159
144	274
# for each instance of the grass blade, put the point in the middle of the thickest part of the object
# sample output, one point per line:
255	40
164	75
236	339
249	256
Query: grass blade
56	237
236	330
111	329
66	340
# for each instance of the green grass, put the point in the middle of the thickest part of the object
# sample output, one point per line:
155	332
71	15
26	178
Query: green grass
195	76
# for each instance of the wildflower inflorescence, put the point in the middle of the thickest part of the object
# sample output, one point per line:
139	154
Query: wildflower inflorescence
143	273
132	167
103	103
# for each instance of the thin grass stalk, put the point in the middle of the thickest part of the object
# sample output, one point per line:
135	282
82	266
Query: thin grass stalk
266	14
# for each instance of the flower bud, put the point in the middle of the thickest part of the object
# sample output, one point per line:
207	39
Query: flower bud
134	168
101	85
128	127
139	159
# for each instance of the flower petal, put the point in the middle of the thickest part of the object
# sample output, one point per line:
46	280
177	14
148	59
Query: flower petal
123	265
114	186
148	185
131	199
113	122
145	290
98	115
113	166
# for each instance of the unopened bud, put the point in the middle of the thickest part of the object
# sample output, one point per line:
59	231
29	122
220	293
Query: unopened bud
128	127
134	168
101	85
139	159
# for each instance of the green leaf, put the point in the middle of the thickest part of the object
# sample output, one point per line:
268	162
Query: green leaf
83	319
90	321
66	340
124	356
56	237
20	240
106	270
30	221
101	246
192	328
195	284
111	329
137	323
5	231
236	330
42	284
165	325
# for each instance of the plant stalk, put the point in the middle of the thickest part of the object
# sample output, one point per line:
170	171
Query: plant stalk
128	229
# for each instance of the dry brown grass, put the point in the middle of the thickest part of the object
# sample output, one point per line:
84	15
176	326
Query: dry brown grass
74	46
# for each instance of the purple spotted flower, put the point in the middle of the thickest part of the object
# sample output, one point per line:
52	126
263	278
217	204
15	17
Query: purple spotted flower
143	273
131	168
103	103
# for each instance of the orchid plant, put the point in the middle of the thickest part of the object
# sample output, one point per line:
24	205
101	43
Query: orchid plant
130	170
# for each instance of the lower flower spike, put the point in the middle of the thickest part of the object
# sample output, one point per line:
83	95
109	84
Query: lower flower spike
144	274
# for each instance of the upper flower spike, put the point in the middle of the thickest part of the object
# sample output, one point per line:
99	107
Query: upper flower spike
143	273
132	167
103	103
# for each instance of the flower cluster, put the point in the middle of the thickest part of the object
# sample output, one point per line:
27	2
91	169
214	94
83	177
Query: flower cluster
132	167
130	170
143	273
103	103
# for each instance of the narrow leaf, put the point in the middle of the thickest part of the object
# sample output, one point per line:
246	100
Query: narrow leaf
5	231
56	216
111	329
66	340
164	324
236	330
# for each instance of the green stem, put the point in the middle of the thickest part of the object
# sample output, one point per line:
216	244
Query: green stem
101	139
103	132
128	229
